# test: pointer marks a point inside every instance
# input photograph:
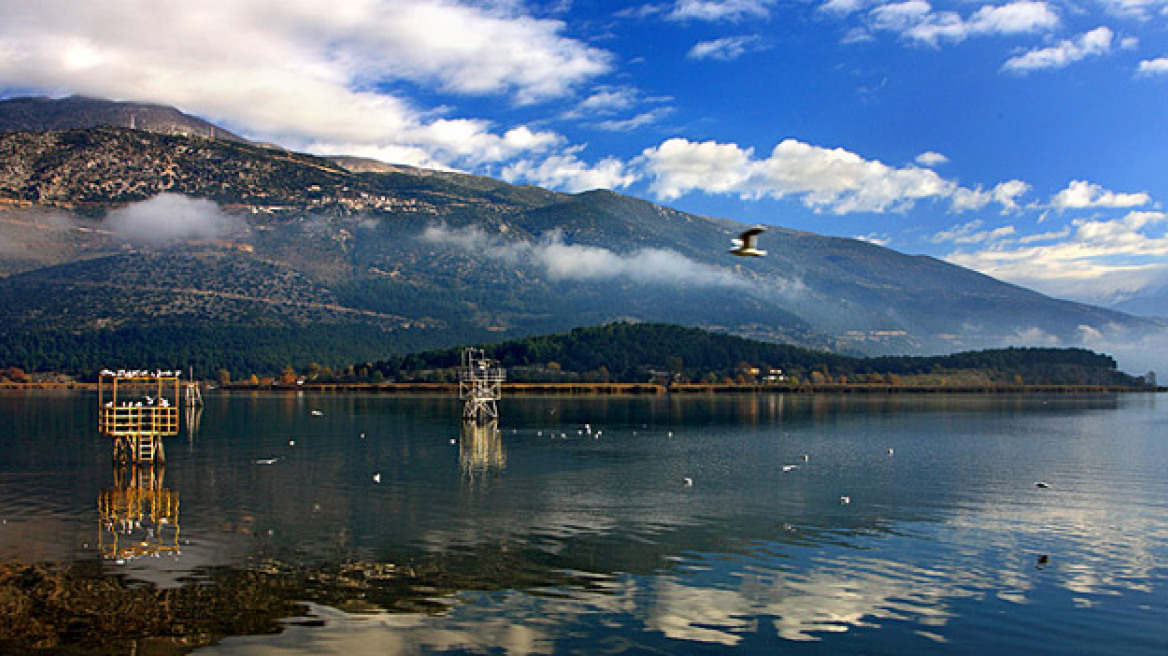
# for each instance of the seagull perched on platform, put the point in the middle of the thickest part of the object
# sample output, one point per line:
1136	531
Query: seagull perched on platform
744	246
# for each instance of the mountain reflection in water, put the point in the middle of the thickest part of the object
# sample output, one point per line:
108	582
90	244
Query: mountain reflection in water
567	527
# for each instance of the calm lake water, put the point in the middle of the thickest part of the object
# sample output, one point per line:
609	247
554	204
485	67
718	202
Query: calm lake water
572	528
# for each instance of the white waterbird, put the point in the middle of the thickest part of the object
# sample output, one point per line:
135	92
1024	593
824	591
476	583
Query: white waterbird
745	246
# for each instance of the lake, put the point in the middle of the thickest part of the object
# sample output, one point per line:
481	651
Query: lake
678	525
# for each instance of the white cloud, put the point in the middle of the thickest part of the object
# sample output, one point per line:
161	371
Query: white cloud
1139	9
880	239
307	73
606	100
1004	193
1095	43
1093	260
1081	194
971	233
603	107
170	217
567	172
576	262
916	21
900	16
843	7
633	122
1158	66
719	10
931	159
825	179
725	49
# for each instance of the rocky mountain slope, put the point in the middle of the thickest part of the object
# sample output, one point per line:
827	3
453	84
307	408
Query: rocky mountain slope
39	114
426	258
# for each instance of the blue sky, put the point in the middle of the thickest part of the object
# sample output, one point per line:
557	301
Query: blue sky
1026	139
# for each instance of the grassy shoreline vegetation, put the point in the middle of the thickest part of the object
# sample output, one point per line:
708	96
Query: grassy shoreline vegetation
623	358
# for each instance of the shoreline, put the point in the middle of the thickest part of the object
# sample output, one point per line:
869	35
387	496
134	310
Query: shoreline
638	389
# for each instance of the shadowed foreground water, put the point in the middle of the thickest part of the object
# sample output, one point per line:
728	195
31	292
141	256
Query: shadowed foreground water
571	528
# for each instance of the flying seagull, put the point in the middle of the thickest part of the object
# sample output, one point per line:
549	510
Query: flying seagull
744	245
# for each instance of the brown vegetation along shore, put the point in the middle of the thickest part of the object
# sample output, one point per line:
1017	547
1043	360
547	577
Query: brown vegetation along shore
79	610
651	388
84	608
47	386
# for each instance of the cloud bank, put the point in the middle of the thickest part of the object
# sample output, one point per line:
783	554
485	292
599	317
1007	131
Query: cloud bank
568	172
1151	67
1095	43
1081	194
1094	260
168	218
719	10
724	49
916	21
575	262
311	75
825	179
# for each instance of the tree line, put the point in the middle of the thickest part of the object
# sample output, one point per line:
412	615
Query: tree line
645	352
616	352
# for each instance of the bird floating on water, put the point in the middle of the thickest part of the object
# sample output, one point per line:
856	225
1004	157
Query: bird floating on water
1042	484
788	468
744	246
317	413
889	451
845	500
687	481
266	461
377	477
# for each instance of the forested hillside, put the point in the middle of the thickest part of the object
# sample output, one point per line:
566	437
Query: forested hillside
623	352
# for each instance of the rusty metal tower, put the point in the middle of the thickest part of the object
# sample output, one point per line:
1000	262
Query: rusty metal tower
480	385
137	409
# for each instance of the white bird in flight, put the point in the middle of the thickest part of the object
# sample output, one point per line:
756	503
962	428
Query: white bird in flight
744	246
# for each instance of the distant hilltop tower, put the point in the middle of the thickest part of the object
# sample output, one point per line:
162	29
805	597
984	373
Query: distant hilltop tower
480	385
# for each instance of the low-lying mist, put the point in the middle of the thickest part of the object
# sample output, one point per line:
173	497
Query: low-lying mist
168	218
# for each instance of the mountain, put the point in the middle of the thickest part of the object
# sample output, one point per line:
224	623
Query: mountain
41	114
1150	304
112	235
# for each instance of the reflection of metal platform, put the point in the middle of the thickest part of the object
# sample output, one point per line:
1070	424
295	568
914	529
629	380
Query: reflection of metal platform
480	451
138	517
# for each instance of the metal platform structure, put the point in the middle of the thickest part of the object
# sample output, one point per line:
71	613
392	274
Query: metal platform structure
480	385
137	409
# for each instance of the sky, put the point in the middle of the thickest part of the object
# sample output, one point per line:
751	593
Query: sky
1025	139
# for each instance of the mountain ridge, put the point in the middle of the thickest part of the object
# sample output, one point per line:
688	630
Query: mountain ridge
43	114
449	255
